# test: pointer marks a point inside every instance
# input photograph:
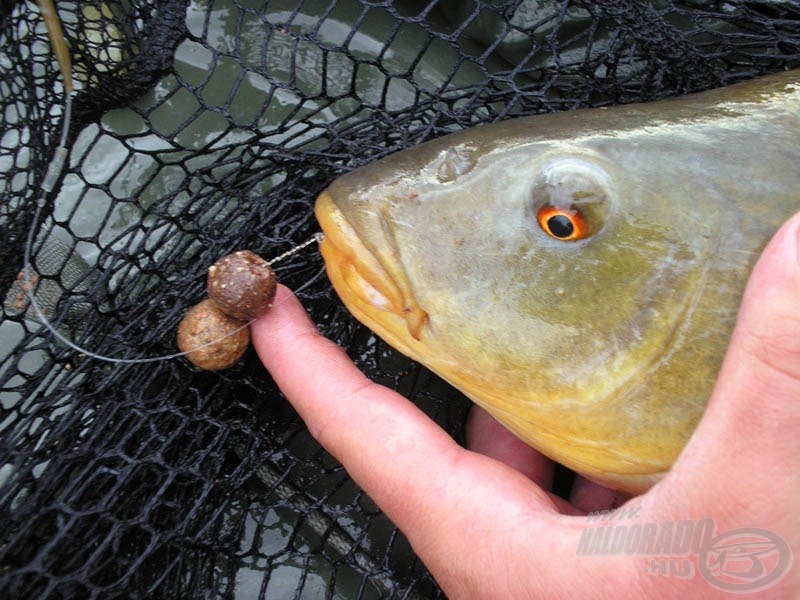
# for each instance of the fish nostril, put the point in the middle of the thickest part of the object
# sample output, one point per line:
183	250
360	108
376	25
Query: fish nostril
455	162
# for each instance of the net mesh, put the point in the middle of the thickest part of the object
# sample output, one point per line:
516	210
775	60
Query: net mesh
200	127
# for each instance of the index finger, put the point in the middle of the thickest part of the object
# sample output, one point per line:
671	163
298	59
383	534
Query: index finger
389	446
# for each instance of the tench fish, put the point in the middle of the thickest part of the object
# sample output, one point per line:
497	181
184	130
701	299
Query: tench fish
576	274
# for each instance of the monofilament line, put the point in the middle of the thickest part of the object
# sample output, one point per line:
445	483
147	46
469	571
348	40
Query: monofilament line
29	275
61	52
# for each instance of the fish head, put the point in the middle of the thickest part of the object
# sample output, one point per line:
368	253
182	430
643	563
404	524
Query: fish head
550	280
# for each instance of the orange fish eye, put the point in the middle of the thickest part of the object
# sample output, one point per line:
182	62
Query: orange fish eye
565	224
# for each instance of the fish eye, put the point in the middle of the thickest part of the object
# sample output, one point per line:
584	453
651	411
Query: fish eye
566	224
571	199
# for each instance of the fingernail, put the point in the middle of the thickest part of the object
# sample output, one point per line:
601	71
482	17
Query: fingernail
797	241
791	241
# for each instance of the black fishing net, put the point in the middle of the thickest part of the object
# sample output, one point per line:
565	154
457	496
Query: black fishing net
200	127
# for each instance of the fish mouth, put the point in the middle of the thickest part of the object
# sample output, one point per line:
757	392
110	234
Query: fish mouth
369	277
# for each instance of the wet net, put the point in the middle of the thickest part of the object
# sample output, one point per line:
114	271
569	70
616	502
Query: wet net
200	127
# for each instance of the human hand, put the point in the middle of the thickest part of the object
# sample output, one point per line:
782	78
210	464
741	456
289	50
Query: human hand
481	518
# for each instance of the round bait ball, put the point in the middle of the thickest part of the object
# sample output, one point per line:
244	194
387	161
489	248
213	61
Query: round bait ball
205	323
242	285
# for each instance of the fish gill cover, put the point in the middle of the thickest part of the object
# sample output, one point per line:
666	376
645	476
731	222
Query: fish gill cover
201	127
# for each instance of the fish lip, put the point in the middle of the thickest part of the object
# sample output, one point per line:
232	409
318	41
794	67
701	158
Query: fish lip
359	274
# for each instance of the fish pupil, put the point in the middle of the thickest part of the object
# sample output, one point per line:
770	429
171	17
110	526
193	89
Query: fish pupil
560	226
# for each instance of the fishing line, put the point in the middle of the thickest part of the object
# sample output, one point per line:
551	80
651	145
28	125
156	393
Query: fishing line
30	280
30	276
